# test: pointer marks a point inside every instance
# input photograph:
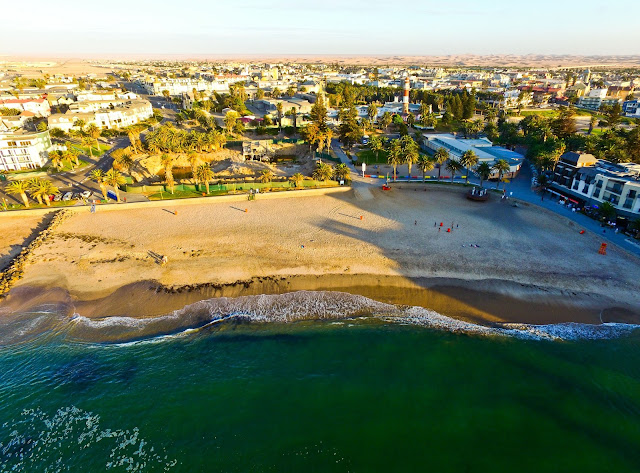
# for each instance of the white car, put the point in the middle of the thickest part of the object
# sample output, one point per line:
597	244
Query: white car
67	196
86	194
57	197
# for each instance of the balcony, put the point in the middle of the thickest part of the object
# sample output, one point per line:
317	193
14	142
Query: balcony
615	189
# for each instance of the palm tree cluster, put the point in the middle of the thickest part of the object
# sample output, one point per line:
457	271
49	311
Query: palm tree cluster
323	171
40	189
112	177
58	158
403	150
168	139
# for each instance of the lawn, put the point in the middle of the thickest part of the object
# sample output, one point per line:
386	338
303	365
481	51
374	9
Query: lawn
181	195
67	167
369	157
539	113
83	149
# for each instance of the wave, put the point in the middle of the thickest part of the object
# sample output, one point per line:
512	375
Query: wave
283	308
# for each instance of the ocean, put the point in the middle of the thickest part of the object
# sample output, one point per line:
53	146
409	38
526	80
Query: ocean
314	382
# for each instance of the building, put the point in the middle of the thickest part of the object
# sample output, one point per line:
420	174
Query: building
631	108
601	181
483	148
23	150
259	150
568	166
120	116
38	106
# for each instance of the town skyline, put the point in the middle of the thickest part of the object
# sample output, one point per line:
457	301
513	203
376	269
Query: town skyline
358	29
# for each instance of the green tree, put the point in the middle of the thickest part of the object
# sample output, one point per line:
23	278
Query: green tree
203	174
468	159
342	172
98	176
607	210
612	114
279	114
386	120
44	190
372	112
426	164
376	145
395	156
266	176
167	163
484	171
296	180
114	179
323	171
230	120
502	167
441	156
19	188
410	151
454	166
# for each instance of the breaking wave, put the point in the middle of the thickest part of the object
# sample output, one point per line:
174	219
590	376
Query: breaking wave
283	308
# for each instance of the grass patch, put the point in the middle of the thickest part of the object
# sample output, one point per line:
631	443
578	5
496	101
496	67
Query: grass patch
369	157
181	195
83	149
66	167
539	113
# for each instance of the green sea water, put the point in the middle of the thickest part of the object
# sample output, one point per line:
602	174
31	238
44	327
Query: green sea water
356	395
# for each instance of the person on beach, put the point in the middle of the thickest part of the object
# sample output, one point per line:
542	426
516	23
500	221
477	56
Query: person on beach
164	260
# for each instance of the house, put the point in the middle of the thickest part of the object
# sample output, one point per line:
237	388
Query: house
23	150
257	150
39	107
631	108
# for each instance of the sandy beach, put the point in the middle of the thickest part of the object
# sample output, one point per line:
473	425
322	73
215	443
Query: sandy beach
525	265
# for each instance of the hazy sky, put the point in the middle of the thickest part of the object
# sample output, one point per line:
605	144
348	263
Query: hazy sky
421	27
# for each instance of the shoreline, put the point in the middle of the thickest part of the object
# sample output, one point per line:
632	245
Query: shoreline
487	302
524	266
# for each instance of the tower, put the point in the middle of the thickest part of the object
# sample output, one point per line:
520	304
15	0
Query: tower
405	97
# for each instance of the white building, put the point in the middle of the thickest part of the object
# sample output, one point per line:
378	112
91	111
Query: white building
483	148
22	150
120	116
39	107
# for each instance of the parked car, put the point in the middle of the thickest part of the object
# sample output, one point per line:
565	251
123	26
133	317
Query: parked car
57	197
86	194
67	196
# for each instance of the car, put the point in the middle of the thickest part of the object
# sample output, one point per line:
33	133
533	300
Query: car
86	194
57	197
67	196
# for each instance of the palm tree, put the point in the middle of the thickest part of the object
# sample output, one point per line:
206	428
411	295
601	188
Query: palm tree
167	164
454	166
441	156
426	164
279	110
323	171
56	159
44	190
98	176
80	123
266	176
501	166
34	185
114	179
376	145
341	172
468	159
484	171
203	174
395	156
89	142
193	158
94	132
19	188
410	152
297	179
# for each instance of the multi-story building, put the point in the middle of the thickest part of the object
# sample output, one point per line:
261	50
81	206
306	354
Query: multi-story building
23	150
123	115
631	108
587	180
38	106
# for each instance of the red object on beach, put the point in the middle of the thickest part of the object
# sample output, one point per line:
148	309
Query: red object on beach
361	217
386	188
581	232
603	249
441	224
448	230
246	210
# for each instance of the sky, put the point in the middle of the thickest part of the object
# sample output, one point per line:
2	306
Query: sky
309	27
